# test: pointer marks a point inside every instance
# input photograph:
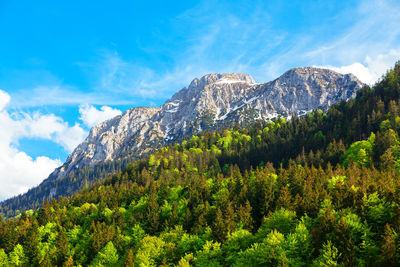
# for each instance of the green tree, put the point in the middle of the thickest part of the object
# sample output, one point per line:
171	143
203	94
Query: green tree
108	256
17	256
329	256
283	220
360	152
3	258
150	252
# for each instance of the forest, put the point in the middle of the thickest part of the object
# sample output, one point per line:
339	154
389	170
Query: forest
321	190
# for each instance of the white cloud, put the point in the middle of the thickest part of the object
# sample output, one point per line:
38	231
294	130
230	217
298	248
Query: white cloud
19	171
46	126
91	116
4	99
372	68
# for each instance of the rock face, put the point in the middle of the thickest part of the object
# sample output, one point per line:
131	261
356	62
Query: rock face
213	101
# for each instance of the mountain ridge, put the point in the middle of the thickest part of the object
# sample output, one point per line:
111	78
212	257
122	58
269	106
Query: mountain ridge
208	101
214	101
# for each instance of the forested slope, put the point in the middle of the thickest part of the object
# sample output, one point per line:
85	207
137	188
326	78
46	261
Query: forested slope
320	190
215	101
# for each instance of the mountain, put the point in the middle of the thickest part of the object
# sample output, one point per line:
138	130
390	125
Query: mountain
212	102
320	190
215	101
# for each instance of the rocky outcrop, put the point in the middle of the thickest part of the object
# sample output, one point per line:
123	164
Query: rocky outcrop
213	101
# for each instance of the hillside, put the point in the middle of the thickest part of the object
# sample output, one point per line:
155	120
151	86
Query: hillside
320	190
215	101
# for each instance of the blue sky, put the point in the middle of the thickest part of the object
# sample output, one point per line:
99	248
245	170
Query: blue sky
65	66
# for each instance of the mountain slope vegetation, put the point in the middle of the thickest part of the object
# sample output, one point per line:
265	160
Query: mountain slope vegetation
215	101
322	190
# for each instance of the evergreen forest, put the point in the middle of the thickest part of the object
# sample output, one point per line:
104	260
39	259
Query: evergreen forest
320	190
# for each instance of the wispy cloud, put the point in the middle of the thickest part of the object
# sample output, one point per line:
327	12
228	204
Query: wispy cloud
229	42
214	36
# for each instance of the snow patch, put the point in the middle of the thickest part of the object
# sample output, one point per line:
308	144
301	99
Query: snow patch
173	104
166	133
228	81
271	116
172	110
251	99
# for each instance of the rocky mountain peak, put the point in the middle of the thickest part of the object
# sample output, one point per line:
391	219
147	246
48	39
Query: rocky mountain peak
304	73
217	78
210	102
211	82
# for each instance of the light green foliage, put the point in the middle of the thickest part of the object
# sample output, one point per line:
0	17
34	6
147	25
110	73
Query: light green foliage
354	222
150	252
17	256
239	137
140	205
184	144
73	234
165	162
3	258
166	209
360	233
181	207
282	220
210	183
273	178
378	210
215	150
137	234
391	157
325	205
194	141
107	213
86	208
122	210
29	212
184	157
175	193
236	242
108	256
329	256
185	261
221	196
397	122
195	150
385	125
210	255
226	141
338	179
247	137
152	160
47	238
189	243
268	253
360	152
298	246
176	197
